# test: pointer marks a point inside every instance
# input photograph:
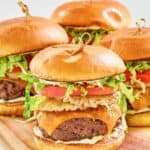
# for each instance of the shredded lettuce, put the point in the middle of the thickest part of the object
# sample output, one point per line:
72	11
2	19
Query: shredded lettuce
30	101
138	66
87	35
70	88
9	62
35	102
116	82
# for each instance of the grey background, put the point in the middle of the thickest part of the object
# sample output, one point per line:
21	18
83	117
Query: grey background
9	8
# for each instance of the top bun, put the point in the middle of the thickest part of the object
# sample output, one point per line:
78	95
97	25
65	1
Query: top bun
72	63
25	34
107	14
129	43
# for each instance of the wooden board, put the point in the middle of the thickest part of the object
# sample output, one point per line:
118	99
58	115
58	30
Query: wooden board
18	136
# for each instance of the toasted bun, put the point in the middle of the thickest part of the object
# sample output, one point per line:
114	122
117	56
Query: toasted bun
73	63
139	120
12	109
108	144
129	44
57	118
107	14
25	34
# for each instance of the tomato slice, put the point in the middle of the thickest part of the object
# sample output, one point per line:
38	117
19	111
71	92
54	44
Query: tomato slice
143	76
70	38
29	60
56	91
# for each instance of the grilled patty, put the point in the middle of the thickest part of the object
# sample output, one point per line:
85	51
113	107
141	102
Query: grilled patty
10	90
77	128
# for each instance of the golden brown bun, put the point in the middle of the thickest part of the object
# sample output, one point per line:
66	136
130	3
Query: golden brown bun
107	14
72	63
110	117
12	109
139	120
25	34
108	144
128	44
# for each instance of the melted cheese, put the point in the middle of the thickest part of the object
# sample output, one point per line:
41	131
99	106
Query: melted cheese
120	129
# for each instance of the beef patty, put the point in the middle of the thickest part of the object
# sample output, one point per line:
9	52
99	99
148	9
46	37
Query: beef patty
79	128
10	90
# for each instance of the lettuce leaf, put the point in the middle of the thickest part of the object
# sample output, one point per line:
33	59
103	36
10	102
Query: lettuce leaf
29	100
126	92
116	82
138	66
87	35
9	62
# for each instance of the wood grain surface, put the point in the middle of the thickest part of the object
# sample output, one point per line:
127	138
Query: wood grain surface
15	135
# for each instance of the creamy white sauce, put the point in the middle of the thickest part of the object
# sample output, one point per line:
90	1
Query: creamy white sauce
140	111
93	140
120	129
19	99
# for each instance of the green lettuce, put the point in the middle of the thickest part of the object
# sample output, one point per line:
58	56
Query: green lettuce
30	101
9	62
138	66
87	35
116	82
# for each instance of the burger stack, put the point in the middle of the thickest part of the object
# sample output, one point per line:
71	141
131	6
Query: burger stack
77	91
81	105
134	48
78	107
91	20
20	39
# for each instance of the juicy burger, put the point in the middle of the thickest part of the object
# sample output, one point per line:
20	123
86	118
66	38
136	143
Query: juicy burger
90	20
133	46
79	89
20	39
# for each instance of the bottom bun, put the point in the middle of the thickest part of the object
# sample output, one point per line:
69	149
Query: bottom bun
112	142
12	109
139	120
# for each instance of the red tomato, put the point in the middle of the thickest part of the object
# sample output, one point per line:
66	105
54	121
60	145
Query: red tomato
143	76
70	38
16	69
29	60
90	42
56	91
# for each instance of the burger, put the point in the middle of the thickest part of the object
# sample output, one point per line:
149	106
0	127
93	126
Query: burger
79	93
20	39
134	48
89	20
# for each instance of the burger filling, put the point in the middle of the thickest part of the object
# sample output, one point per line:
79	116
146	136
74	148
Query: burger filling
10	90
88	36
56	91
10	68
82	131
138	77
79	128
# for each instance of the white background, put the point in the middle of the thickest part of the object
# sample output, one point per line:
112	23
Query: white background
9	8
